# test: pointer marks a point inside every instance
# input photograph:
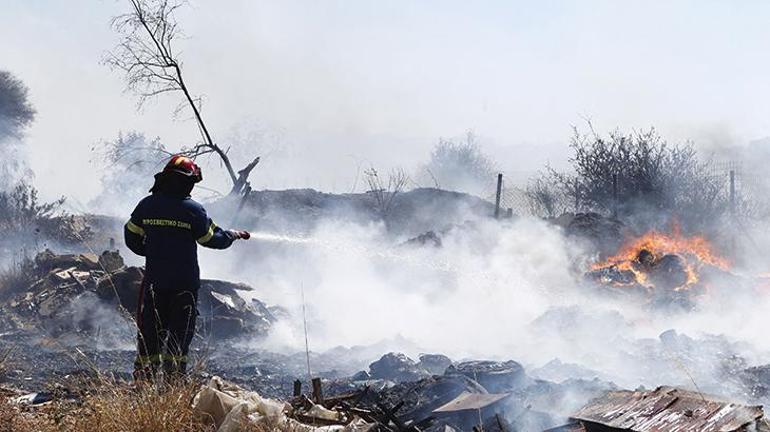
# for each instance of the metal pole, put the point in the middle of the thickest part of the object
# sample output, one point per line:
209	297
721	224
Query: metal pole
732	192
615	195
497	197
304	325
577	196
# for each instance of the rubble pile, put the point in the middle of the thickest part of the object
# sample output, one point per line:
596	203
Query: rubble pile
496	377
225	314
440	403
499	394
435	364
503	396
71	290
396	367
419	399
66	284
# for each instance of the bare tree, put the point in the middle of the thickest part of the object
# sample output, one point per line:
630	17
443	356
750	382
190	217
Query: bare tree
384	193
147	56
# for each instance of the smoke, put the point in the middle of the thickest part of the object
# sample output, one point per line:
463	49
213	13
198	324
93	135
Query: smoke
498	290
13	164
89	315
360	286
128	164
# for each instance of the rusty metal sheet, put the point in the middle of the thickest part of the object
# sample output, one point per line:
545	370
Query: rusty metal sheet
667	409
470	401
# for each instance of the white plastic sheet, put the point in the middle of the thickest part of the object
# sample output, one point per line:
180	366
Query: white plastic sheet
230	407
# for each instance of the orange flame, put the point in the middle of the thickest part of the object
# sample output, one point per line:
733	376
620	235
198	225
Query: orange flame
695	251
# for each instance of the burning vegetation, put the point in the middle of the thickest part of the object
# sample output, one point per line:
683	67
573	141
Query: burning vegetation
662	264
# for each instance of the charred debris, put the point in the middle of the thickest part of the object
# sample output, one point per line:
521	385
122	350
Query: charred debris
456	400
63	284
60	304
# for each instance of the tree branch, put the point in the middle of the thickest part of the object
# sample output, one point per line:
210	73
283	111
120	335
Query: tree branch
152	68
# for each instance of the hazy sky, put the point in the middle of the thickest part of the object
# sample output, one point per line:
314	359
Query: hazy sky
339	84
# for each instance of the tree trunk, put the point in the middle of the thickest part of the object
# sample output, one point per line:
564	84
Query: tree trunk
243	177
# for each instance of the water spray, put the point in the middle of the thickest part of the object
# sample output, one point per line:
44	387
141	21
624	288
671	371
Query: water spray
390	254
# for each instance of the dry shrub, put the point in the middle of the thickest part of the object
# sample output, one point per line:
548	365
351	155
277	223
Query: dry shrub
460	164
26	220
16	277
640	177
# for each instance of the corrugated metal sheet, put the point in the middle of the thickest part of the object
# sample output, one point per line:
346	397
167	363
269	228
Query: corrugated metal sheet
470	401
668	409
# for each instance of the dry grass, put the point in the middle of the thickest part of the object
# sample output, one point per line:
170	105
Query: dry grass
148	407
15	418
111	407
118	407
5	354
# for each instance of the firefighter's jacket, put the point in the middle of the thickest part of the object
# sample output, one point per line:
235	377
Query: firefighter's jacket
166	230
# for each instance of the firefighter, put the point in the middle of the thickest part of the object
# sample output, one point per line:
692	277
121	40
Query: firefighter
164	228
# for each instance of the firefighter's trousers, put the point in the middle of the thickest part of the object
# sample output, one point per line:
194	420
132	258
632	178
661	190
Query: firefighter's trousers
166	324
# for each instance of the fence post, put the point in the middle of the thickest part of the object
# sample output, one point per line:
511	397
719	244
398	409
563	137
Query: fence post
497	196
318	396
577	196
732	192
615	195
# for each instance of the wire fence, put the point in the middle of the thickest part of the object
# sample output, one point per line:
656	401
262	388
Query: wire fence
744	189
513	199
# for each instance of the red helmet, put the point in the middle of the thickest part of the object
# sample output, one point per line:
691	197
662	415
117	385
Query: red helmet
185	166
